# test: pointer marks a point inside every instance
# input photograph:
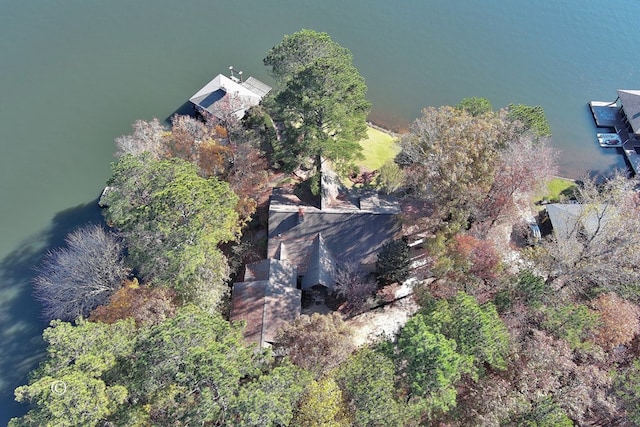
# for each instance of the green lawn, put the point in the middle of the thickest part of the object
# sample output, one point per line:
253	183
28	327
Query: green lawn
378	148
556	189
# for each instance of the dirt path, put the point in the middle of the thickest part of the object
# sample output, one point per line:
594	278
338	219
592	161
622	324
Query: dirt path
385	321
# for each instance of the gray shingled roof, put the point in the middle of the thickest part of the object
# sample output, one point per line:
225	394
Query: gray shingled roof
568	218
348	234
320	266
630	100
307	241
275	270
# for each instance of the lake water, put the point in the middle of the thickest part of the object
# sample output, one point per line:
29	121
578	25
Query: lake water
75	74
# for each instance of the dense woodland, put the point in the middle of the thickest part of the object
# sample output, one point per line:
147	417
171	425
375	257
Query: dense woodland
511	330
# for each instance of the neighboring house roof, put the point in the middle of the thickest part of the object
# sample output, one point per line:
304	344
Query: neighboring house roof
630	101
569	218
267	300
223	96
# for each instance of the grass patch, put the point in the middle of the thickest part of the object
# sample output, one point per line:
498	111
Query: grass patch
557	189
378	148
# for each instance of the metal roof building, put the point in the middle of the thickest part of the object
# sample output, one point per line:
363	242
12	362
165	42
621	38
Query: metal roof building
223	96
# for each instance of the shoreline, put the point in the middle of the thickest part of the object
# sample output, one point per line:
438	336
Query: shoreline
399	127
383	129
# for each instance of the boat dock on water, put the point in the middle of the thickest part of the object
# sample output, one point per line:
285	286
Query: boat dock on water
609	140
620	124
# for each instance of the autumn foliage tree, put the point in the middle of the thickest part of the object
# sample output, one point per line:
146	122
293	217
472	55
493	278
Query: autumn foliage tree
198	143
470	258
187	138
450	157
317	343
76	278
322	405
247	177
516	179
208	146
146	305
619	320
474	164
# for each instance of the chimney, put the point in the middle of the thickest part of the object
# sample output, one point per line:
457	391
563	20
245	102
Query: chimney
300	215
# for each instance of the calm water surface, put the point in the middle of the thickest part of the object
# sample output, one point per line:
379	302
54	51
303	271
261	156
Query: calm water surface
75	74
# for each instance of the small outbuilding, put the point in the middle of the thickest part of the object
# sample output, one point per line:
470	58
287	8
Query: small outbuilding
570	219
225	97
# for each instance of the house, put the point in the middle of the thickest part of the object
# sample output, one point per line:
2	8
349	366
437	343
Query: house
225	97
621	119
310	238
573	219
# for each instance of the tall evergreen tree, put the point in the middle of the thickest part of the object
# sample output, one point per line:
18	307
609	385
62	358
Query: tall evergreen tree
320	100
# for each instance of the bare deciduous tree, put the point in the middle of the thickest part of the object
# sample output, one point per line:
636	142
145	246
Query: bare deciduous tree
146	136
523	168
354	285
75	279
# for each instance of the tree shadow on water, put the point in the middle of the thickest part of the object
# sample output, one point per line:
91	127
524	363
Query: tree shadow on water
21	324
185	109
